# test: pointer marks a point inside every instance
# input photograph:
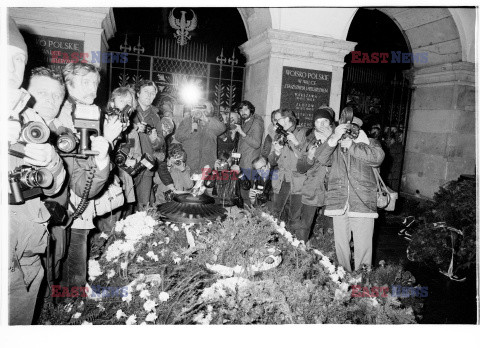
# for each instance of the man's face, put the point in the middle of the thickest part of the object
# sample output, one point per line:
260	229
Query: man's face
322	125
48	94
84	88
245	112
146	95
262	168
16	66
285	123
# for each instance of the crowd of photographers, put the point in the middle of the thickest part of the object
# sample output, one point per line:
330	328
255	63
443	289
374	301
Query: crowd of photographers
71	162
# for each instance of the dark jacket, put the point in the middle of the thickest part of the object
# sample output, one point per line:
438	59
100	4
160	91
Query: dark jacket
313	190
151	117
251	146
351	179
287	164
200	146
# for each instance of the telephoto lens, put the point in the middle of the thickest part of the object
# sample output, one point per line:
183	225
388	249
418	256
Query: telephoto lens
35	132
36	178
67	142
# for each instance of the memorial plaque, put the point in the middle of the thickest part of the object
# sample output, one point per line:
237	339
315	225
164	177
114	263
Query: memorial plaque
40	50
304	91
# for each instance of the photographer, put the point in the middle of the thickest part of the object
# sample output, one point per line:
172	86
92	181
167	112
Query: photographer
250	140
286	150
88	177
352	191
148	125
314	187
27	228
261	187
198	136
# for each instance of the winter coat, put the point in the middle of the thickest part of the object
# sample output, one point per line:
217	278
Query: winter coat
200	146
287	164
251	146
313	190
351	181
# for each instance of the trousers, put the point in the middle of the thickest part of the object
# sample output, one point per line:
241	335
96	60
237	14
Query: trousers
22	300
143	191
75	265
362	229
291	204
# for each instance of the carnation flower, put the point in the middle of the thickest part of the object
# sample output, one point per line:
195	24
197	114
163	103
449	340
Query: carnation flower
76	315
164	296
144	294
110	274
103	235
140	259
151	317
86	323
132	320
175	228
154	244
341	272
149	305
177	260
68	307
152	255
123	265
94	269
120	314
140	286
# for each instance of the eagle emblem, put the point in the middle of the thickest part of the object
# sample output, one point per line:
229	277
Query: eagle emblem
182	26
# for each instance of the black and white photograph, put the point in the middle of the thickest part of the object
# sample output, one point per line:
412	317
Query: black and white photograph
240	164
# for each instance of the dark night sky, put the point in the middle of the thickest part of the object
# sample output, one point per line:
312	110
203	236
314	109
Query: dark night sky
219	27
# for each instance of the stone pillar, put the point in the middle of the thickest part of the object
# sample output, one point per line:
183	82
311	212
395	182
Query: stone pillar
94	26
269	51
440	143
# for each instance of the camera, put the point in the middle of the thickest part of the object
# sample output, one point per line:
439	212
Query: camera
197	113
66	140
86	120
146	162
177	162
169	195
123	115
148	128
35	132
282	135
27	182
121	156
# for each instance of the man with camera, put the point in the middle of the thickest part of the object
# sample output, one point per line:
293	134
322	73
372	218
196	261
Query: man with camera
261	183
152	142
88	164
28	219
285	152
352	191
198	136
314	187
250	140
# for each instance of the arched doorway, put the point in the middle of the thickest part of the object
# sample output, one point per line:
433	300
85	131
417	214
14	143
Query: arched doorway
375	85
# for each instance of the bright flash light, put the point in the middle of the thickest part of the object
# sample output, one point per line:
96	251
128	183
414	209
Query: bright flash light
190	94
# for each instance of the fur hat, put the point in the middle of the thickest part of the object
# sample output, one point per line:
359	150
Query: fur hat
323	113
15	38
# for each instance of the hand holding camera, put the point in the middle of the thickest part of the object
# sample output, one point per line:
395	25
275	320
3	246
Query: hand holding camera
41	155
101	146
112	128
239	129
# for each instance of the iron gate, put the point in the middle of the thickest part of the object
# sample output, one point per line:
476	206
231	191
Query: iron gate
381	97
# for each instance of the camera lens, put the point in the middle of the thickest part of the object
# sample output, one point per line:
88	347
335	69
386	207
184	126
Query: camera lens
37	178
35	133
66	143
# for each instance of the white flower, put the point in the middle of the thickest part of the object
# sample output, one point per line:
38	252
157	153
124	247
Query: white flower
77	315
86	323
374	301
151	317
143	323
129	291
164	296
94	269
123	265
175	228
144	294
341	272
132	320
167	240
120	314
296	243
344	286
167	223
68	308
119	226
152	255
177	260
334	277
149	305
154	244
103	235
141	286
111	274
140	259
